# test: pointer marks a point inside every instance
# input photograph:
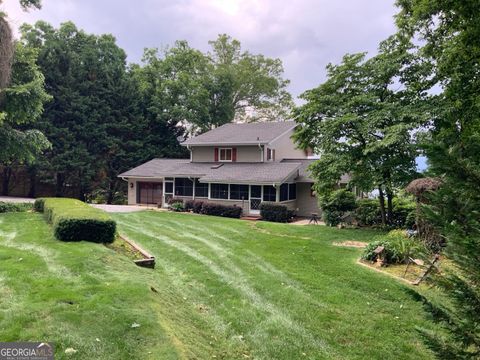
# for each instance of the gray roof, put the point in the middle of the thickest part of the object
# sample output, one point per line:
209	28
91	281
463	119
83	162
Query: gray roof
304	174
242	134
254	173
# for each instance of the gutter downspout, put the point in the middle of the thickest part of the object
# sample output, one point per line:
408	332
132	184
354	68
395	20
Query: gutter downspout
261	152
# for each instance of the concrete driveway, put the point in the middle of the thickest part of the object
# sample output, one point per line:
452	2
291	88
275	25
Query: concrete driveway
12	199
122	208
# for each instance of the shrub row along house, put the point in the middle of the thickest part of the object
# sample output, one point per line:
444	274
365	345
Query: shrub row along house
234	164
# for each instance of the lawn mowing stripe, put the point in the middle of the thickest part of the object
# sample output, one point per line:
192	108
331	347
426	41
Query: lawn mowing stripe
276	315
254	260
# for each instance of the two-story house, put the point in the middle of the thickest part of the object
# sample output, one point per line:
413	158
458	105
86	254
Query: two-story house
241	164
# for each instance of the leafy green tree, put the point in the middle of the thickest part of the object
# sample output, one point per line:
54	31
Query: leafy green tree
102	120
246	86
361	121
202	91
449	32
22	105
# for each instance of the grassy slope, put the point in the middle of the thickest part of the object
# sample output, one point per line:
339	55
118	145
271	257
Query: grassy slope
225	288
282	291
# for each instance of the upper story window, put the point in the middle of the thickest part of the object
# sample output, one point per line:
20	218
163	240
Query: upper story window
225	154
270	154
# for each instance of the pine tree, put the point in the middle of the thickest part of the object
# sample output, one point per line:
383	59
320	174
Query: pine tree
450	31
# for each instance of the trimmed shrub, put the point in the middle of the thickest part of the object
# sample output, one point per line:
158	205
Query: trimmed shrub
74	220
275	212
39	204
336	205
194	206
6	207
221	210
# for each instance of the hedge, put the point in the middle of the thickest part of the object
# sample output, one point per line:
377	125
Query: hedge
74	220
6	207
275	212
221	210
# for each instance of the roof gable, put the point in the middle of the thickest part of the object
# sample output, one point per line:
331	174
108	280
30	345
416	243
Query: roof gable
242	134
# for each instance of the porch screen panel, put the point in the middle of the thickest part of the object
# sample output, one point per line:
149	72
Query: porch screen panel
238	192
201	189
183	187
219	191
284	192
256	191
292	191
269	193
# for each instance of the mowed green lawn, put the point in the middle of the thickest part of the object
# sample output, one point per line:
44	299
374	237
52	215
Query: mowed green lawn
222	289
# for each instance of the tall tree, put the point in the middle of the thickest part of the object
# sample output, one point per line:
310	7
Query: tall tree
208	90
22	105
361	121
449	32
98	121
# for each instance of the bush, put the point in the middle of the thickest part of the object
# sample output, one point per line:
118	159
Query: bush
398	248
193	205
336	205
368	213
177	206
221	210
14	207
275	212
39	204
74	220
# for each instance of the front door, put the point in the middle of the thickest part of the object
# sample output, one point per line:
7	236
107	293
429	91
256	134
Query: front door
255	199
149	193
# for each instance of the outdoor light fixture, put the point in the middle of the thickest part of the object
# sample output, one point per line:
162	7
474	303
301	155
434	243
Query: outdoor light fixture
131	185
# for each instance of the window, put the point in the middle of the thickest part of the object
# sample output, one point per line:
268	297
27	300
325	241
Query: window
225	154
284	192
270	154
168	187
292	191
201	189
239	192
288	192
269	193
256	191
219	191
183	187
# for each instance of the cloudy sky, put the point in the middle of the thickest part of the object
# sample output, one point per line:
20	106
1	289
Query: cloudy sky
305	34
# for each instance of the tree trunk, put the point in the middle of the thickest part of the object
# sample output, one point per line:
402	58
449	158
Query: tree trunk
7	174
381	199
32	172
110	192
389	206
59	185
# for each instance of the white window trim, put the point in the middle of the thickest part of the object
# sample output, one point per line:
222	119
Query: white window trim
270	150
220	154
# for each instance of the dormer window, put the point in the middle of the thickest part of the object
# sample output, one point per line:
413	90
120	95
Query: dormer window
270	154
225	154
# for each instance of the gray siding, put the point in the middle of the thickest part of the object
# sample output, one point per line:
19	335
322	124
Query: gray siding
285	148
306	203
244	153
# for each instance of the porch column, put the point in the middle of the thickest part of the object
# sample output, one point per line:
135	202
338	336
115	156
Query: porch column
277	190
